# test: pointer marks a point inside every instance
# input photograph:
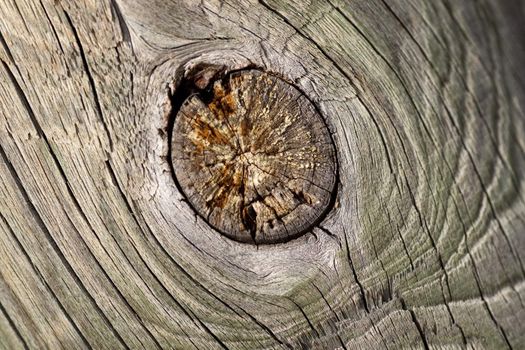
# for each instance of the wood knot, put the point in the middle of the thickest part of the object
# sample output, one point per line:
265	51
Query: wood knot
254	158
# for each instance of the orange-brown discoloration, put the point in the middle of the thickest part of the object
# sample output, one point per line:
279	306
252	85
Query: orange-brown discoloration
228	184
206	132
223	103
246	127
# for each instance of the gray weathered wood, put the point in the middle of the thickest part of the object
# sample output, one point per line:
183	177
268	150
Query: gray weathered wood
424	247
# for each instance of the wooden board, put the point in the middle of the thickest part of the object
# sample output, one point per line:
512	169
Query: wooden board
424	246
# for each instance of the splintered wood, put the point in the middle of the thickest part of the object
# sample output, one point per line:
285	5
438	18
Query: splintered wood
254	158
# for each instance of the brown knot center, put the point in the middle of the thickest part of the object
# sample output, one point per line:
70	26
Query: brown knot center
255	158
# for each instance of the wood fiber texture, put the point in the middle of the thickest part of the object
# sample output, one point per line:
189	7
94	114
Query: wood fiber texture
423	248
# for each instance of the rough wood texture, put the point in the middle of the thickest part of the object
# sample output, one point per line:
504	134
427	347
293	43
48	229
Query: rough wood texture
424	247
254	158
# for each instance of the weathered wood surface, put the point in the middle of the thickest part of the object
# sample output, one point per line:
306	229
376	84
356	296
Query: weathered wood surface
424	247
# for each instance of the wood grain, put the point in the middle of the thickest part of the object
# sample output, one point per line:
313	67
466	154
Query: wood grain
424	246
